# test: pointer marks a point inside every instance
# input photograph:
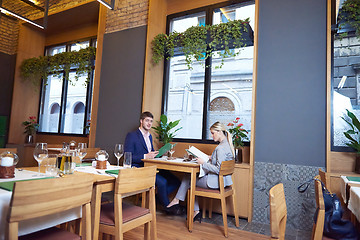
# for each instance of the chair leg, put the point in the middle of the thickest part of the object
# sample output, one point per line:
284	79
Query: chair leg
147	231
210	207
236	214
204	208
224	214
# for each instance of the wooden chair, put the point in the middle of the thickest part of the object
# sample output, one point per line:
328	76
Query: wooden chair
32	199
278	212
119	217
322	176
318	226
227	168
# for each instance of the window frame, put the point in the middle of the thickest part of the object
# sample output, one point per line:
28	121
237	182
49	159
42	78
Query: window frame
208	10
65	83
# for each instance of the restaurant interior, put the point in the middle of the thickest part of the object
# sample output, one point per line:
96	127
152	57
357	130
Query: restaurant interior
290	86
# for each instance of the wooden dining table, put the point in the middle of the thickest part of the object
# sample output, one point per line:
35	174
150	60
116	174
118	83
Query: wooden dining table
28	226
102	183
179	165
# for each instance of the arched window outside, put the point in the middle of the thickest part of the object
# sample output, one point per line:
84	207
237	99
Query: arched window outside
55	108
222	104
79	108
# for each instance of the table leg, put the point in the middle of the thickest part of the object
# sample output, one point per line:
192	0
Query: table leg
95	210
192	199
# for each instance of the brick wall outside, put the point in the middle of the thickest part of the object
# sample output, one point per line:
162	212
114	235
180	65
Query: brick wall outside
127	14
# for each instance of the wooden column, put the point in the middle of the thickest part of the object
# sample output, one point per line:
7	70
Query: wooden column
25	99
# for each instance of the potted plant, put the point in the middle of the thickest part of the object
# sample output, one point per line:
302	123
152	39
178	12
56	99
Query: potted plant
31	126
353	135
239	134
165	130
349	17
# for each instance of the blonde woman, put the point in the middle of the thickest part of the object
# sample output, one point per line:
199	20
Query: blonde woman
223	152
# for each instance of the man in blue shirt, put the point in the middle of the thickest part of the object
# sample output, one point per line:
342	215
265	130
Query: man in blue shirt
140	144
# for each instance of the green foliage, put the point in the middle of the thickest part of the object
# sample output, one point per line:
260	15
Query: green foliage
350	14
31	125
238	133
353	133
201	42
35	69
165	130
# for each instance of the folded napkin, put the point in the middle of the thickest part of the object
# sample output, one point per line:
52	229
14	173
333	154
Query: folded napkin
83	164
354	179
9	186
116	172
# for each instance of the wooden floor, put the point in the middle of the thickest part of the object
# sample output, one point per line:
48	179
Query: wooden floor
172	227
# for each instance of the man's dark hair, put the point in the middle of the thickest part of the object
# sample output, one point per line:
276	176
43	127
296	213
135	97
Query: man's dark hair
145	115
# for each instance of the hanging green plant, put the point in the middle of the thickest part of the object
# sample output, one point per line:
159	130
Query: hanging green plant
35	69
200	42
349	15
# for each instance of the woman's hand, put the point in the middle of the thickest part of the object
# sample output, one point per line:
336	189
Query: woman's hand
200	160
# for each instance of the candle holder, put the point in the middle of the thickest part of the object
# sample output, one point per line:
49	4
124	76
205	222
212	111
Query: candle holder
101	159
7	172
8	160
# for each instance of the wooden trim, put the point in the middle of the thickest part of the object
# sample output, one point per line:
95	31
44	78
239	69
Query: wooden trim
96	86
253	113
328	86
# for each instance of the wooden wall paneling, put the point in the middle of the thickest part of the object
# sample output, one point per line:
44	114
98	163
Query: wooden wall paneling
25	100
80	32
56	139
96	85
175	6
153	75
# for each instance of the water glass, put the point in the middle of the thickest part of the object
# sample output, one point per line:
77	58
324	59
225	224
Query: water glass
51	165
127	160
69	167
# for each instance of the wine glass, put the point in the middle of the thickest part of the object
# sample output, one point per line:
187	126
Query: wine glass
40	153
172	150
118	151
82	151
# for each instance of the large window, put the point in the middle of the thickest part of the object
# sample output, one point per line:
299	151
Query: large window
204	94
345	77
65	105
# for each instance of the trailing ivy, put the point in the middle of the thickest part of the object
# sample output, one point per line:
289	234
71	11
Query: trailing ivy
35	69
200	42
350	14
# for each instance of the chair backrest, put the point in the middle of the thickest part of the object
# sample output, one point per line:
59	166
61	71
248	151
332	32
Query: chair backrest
31	199
133	180
322	175
318	227
227	167
14	150
278	212
91	152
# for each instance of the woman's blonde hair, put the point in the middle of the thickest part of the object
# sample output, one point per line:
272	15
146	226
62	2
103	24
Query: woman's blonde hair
217	126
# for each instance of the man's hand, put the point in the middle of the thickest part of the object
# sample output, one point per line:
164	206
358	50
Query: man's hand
151	154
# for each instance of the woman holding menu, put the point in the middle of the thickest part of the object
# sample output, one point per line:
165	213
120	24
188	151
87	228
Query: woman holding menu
223	152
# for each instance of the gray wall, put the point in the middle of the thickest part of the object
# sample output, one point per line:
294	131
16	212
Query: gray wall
291	84
121	87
